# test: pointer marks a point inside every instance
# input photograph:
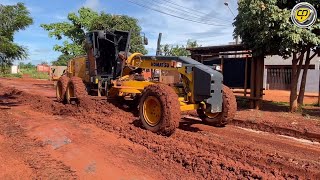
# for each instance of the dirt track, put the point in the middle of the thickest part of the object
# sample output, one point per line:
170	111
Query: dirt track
42	138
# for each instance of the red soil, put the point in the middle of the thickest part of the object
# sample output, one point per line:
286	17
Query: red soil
96	139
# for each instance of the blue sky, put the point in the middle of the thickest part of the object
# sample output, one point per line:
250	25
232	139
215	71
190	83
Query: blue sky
175	31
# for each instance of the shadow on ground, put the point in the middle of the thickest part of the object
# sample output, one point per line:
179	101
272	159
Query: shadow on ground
271	106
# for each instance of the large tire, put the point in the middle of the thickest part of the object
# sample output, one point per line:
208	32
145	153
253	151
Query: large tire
61	88
75	89
160	101
229	108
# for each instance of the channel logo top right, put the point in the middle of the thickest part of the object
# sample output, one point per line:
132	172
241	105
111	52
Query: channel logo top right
304	15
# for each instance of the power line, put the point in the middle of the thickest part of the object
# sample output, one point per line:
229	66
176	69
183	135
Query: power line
173	15
180	12
193	12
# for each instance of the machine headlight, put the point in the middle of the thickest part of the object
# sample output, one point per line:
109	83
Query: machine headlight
179	64
218	68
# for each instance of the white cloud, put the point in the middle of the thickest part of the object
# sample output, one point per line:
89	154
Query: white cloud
93	4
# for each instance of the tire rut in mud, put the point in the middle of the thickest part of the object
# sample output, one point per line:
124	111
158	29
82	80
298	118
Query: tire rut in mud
277	130
246	156
32	152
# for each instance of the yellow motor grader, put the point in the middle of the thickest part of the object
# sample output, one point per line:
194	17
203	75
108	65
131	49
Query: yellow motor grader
110	70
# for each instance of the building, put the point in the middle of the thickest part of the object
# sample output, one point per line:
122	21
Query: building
278	73
253	75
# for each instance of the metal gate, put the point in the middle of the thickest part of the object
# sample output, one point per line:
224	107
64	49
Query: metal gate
279	78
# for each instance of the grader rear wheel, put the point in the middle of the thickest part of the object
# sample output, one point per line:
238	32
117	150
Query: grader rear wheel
75	90
61	88
229	108
159	109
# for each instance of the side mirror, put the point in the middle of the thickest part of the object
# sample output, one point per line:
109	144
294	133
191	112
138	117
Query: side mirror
145	40
101	35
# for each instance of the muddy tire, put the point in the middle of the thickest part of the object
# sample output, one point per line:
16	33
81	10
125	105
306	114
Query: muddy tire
159	109
76	90
61	88
229	108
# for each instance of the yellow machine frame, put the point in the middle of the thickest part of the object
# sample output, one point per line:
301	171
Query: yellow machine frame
136	87
125	86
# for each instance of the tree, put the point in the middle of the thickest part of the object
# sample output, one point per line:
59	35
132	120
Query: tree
266	28
73	32
62	60
45	63
177	50
26	66
12	19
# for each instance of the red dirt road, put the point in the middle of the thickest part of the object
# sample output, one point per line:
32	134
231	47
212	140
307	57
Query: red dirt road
284	96
43	139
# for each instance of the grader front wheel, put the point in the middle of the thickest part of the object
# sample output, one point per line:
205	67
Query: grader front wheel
61	88
229	108
75	90
159	109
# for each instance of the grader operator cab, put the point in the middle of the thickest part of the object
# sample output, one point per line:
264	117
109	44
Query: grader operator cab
110	70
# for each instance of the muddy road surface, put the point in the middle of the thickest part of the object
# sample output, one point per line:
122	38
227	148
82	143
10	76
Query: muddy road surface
41	138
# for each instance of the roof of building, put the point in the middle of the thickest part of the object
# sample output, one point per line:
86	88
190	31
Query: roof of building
217	49
278	60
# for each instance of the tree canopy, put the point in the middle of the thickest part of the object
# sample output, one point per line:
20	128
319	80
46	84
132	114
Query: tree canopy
169	50
13	18
62	60
73	31
266	28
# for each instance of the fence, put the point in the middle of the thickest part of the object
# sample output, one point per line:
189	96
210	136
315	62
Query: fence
280	79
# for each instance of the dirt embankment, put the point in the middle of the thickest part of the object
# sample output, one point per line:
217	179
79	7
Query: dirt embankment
204	151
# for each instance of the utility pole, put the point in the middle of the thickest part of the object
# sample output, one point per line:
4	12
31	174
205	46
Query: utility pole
227	4
319	84
158	53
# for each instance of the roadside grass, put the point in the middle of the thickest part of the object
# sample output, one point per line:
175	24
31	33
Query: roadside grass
315	104
33	73
5	73
19	75
279	103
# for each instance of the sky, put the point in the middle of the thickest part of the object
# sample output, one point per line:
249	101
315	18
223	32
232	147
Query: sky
217	29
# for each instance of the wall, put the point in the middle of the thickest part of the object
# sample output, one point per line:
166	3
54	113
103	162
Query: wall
14	70
312	85
43	68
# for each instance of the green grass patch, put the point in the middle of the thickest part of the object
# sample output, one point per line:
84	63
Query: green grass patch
19	75
279	103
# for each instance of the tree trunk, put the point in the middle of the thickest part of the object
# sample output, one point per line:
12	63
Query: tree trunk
294	81
304	79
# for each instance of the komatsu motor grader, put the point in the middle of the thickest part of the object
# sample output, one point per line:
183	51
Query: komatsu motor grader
110	70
